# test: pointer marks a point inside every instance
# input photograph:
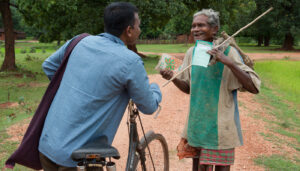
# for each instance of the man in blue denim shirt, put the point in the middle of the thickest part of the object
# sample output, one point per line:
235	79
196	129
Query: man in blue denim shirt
100	78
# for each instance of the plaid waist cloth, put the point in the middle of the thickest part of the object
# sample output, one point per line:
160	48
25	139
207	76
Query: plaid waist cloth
216	157
206	156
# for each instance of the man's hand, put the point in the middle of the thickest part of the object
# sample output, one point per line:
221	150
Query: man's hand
243	77
220	56
183	86
166	74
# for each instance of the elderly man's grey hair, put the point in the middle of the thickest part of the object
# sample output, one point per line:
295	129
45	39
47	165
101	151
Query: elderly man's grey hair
213	16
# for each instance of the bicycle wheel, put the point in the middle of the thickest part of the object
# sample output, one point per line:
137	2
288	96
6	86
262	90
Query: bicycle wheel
159	152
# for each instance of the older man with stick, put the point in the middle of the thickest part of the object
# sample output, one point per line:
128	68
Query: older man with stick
213	126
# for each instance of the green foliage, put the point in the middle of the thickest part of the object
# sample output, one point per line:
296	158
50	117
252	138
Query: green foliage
23	51
179	24
32	50
28	58
61	20
284	18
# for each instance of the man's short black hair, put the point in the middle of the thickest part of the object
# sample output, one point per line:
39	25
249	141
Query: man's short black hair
118	16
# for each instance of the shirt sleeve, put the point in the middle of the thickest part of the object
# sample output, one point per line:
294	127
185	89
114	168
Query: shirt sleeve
186	75
232	80
146	96
52	63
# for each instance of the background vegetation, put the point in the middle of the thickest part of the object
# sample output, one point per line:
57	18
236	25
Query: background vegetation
61	20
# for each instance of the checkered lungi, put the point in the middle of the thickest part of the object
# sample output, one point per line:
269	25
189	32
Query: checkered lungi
216	157
206	156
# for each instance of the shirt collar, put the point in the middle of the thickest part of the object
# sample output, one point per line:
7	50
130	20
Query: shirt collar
112	38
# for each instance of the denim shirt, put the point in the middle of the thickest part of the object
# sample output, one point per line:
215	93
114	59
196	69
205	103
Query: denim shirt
100	78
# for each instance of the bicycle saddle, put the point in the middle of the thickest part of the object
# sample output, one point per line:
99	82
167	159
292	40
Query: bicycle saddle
98	147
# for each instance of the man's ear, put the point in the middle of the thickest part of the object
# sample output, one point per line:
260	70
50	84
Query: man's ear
215	30
128	31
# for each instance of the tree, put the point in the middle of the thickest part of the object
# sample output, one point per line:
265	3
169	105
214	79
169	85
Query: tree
9	59
282	23
154	16
181	24
61	20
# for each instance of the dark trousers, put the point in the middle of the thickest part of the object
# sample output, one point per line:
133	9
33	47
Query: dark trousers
49	165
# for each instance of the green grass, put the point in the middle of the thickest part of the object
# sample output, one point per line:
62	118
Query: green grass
280	96
17	89
24	86
251	48
282	75
277	163
167	48
150	62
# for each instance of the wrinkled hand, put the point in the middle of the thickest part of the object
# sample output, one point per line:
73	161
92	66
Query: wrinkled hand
166	74
219	55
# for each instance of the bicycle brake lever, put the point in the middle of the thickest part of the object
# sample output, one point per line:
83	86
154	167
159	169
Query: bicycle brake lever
159	108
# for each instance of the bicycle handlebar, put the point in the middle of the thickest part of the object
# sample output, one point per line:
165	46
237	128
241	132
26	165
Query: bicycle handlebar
131	108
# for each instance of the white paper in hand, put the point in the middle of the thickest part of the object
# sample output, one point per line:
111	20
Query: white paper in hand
166	62
200	57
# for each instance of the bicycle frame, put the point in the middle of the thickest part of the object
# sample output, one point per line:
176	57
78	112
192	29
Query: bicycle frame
134	145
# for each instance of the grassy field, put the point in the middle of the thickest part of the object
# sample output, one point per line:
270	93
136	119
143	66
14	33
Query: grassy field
182	48
281	98
279	93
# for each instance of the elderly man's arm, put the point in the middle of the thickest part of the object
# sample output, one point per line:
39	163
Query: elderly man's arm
242	76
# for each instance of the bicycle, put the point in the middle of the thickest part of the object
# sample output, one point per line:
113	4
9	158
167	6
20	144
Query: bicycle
149	153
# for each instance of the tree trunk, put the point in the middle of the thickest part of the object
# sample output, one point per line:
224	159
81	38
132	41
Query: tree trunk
134	49
9	60
259	40
288	42
267	40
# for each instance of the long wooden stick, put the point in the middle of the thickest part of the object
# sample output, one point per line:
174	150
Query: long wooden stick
257	18
176	75
243	28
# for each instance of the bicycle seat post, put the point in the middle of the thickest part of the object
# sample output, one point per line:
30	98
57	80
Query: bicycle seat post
110	166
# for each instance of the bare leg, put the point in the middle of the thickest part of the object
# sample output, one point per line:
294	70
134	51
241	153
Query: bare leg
195	164
222	168
205	167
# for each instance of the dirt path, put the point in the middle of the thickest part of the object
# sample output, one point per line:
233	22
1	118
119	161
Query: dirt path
172	118
254	56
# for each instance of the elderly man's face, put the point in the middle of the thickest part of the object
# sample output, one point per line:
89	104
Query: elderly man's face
201	30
